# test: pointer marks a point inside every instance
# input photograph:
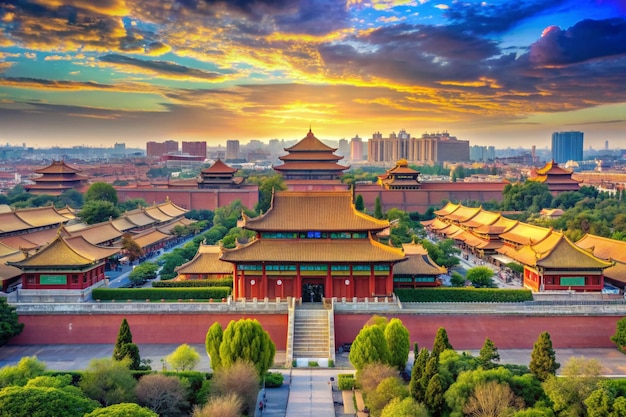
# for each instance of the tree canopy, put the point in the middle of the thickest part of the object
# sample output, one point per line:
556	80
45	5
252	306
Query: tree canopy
184	358
543	358
9	322
100	191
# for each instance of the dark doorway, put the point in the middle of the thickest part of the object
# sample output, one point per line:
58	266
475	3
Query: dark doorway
312	293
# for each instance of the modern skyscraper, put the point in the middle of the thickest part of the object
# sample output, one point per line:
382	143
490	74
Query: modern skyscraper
195	148
356	148
232	149
567	146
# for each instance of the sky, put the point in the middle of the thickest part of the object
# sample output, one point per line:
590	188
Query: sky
503	73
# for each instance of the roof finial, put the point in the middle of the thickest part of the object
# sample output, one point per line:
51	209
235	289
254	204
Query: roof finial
310	128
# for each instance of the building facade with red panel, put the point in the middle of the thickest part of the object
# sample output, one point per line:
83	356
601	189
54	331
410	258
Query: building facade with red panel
313	245
194	148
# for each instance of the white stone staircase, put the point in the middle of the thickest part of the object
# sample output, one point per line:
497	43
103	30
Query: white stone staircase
312	336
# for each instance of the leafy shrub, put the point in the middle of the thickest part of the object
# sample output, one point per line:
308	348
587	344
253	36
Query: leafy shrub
273	379
345	381
226	282
107	294
463	295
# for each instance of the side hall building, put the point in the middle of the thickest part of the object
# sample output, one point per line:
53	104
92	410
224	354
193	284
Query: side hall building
313	245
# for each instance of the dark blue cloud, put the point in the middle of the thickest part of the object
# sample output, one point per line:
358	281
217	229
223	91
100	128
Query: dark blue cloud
586	40
162	67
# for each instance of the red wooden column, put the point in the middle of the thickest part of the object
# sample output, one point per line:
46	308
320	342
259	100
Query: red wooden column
328	285
297	292
372	282
389	282
263	285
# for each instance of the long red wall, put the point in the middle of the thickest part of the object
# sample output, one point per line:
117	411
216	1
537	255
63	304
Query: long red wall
507	332
146	328
464	331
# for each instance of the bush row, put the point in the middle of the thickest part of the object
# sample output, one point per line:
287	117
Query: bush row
226	282
463	295
273	379
107	294
345	381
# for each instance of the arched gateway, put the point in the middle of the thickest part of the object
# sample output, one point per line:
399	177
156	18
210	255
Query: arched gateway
313	245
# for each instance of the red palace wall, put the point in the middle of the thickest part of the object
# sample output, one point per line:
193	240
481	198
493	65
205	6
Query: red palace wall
464	331
506	332
146	328
192	198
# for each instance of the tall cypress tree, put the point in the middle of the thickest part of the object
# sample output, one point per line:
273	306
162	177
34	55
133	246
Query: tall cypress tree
441	342
378	209
212	343
488	354
124	336
434	395
432	369
543	358
419	367
358	203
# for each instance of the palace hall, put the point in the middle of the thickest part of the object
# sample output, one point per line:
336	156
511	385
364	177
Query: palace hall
313	245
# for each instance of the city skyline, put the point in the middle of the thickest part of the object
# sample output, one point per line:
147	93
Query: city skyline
505	73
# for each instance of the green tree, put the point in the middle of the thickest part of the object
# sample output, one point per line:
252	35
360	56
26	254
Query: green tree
184	358
619	338
131	248
246	340
491	399
143	272
101	191
98	211
369	346
419	368
543	358
123	410
267	187
608	400
480	276
70	198
580	378
28	367
434	395
398	343
109	381
456	279
431	370
9	323
358	203
124	336
212	344
441	342
43	402
378	209
388	389
406	407
488	354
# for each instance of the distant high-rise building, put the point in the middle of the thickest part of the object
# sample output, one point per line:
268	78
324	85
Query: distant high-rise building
482	153
119	148
567	146
430	148
344	148
195	148
158	149
232	149
356	148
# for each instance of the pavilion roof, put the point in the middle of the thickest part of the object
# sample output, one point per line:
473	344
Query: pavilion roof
219	167
557	251
418	262
41	216
68	212
8	272
313	211
156	213
73	251
501	225
150	237
524	233
19	242
603	247
307	166
139	217
57	167
123	224
617	272
483	217
10	222
171	209
206	261
447	209
98	233
324	251
310	144
463	214
167	228
553	168
310	156
402	167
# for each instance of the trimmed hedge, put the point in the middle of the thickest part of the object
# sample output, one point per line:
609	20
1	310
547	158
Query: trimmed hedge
121	294
273	379
227	282
345	381
463	295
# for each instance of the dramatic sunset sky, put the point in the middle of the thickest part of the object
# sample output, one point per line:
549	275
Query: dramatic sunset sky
503	73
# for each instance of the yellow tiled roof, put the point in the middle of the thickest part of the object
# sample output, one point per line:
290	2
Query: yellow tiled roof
418	262
171	209
314	211
170	226
19	242
463	214
206	261
6	250
99	233
616	272
74	251
10	222
483	217
43	237
139	217
156	213
447	209
524	233
123	224
41	216
310	143
325	251
150	237
8	272
603	247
